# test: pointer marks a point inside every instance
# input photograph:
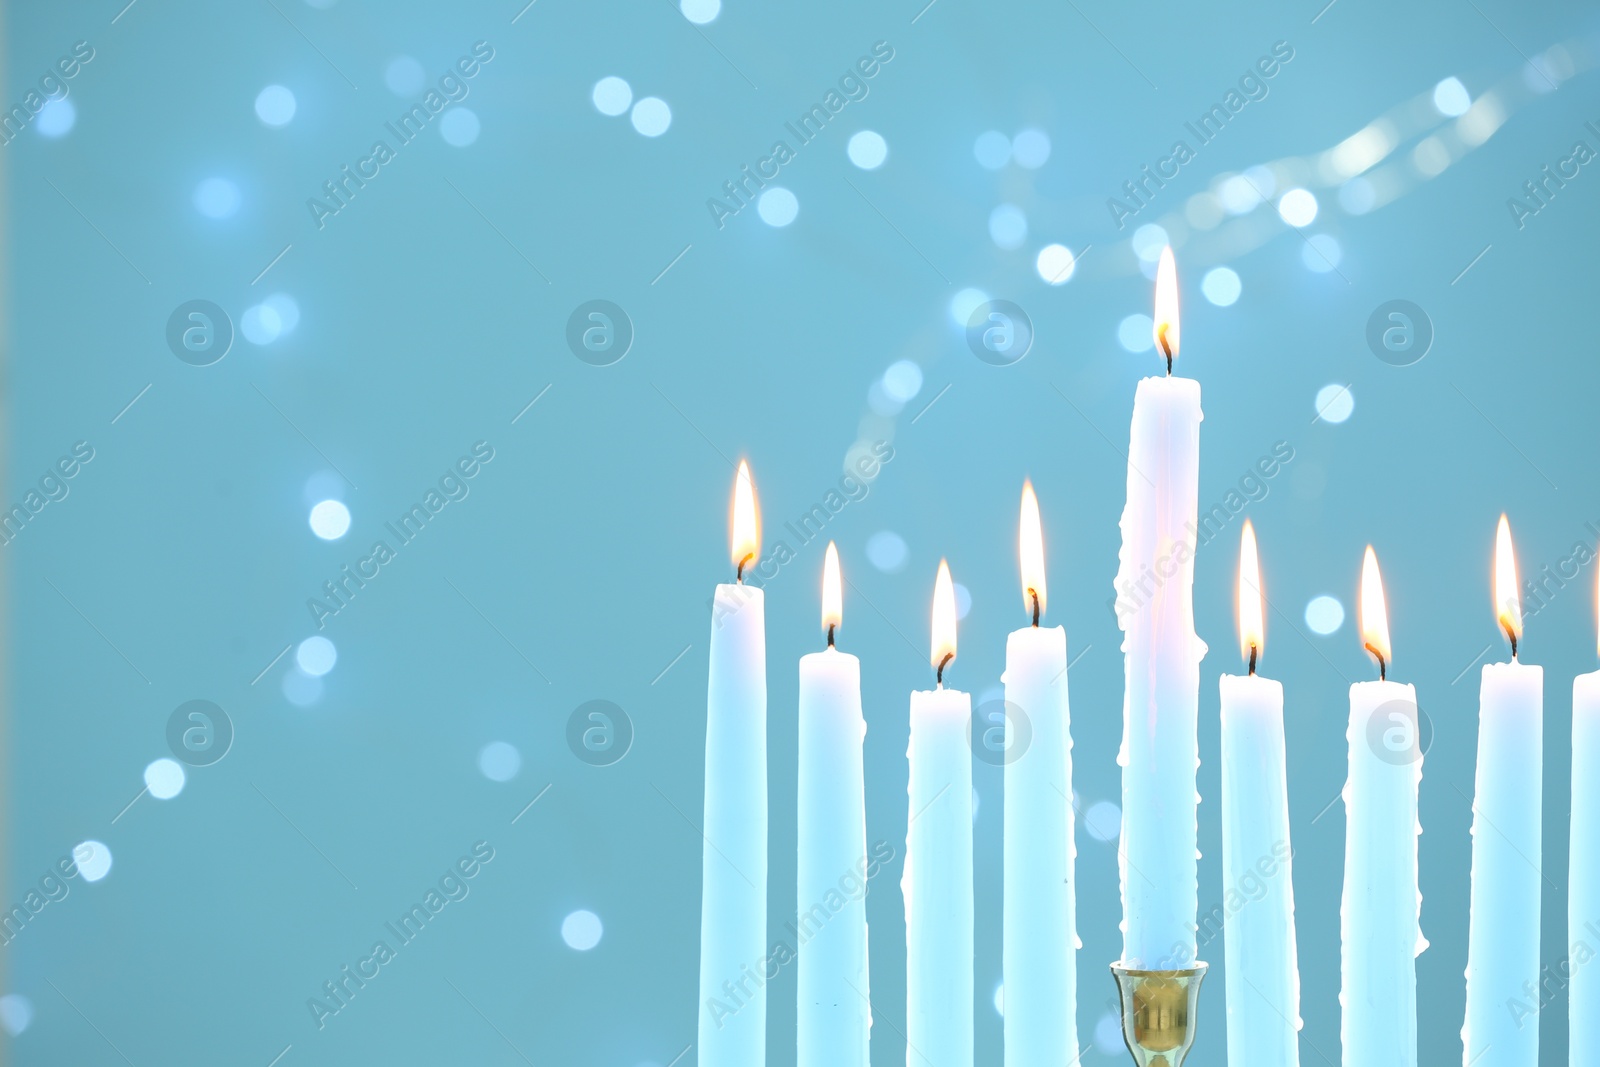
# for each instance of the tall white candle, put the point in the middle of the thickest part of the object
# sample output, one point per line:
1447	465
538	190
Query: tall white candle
1583	879
733	903
1503	932
1263	974
833	1017
937	883
1380	929
1155	609
1039	966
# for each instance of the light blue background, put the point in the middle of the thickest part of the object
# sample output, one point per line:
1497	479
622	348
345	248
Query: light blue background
434	308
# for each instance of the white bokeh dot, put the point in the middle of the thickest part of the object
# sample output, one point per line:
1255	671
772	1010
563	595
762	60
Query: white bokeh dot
867	149
316	655
459	126
1335	403
301	689
1298	207
963	599
56	118
404	76
612	96
1324	614
1136	332
887	551
1148	241
651	116
1000	999
16	1013
964	303
993	150
216	198
700	11
260	324
287	310
1103	820
1008	226
499	761
275	105
581	930
330	520
93	860
164	778
1220	286
1056	264
777	206
1321	253
1030	149
1451	98
1238	195
903	380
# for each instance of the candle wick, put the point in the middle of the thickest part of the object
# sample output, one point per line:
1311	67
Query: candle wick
1166	348
939	676
1035	594
1383	666
740	575
1512	634
830	633
1253	652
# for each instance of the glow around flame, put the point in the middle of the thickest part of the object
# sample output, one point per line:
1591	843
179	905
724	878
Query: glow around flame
746	520
1166	316
1374	612
1252	629
944	615
832	601
1030	543
1507	601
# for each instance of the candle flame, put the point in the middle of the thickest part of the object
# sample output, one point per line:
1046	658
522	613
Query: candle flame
944	616
1252	628
1508	604
832	601
1030	542
1374	612
746	521
1165	329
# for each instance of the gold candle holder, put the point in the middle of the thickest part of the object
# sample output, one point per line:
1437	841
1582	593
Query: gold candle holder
1159	1012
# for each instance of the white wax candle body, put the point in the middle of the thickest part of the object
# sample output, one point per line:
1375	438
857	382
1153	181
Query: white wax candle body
1040	929
1381	933
1583	882
733	907
937	883
1503	932
833	1018
1155	608
1263	972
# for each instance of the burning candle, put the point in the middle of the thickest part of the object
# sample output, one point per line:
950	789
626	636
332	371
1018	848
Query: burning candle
1262	976
833	1017
1380	911
1039	968
733	903
1155	609
937	883
1503	932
